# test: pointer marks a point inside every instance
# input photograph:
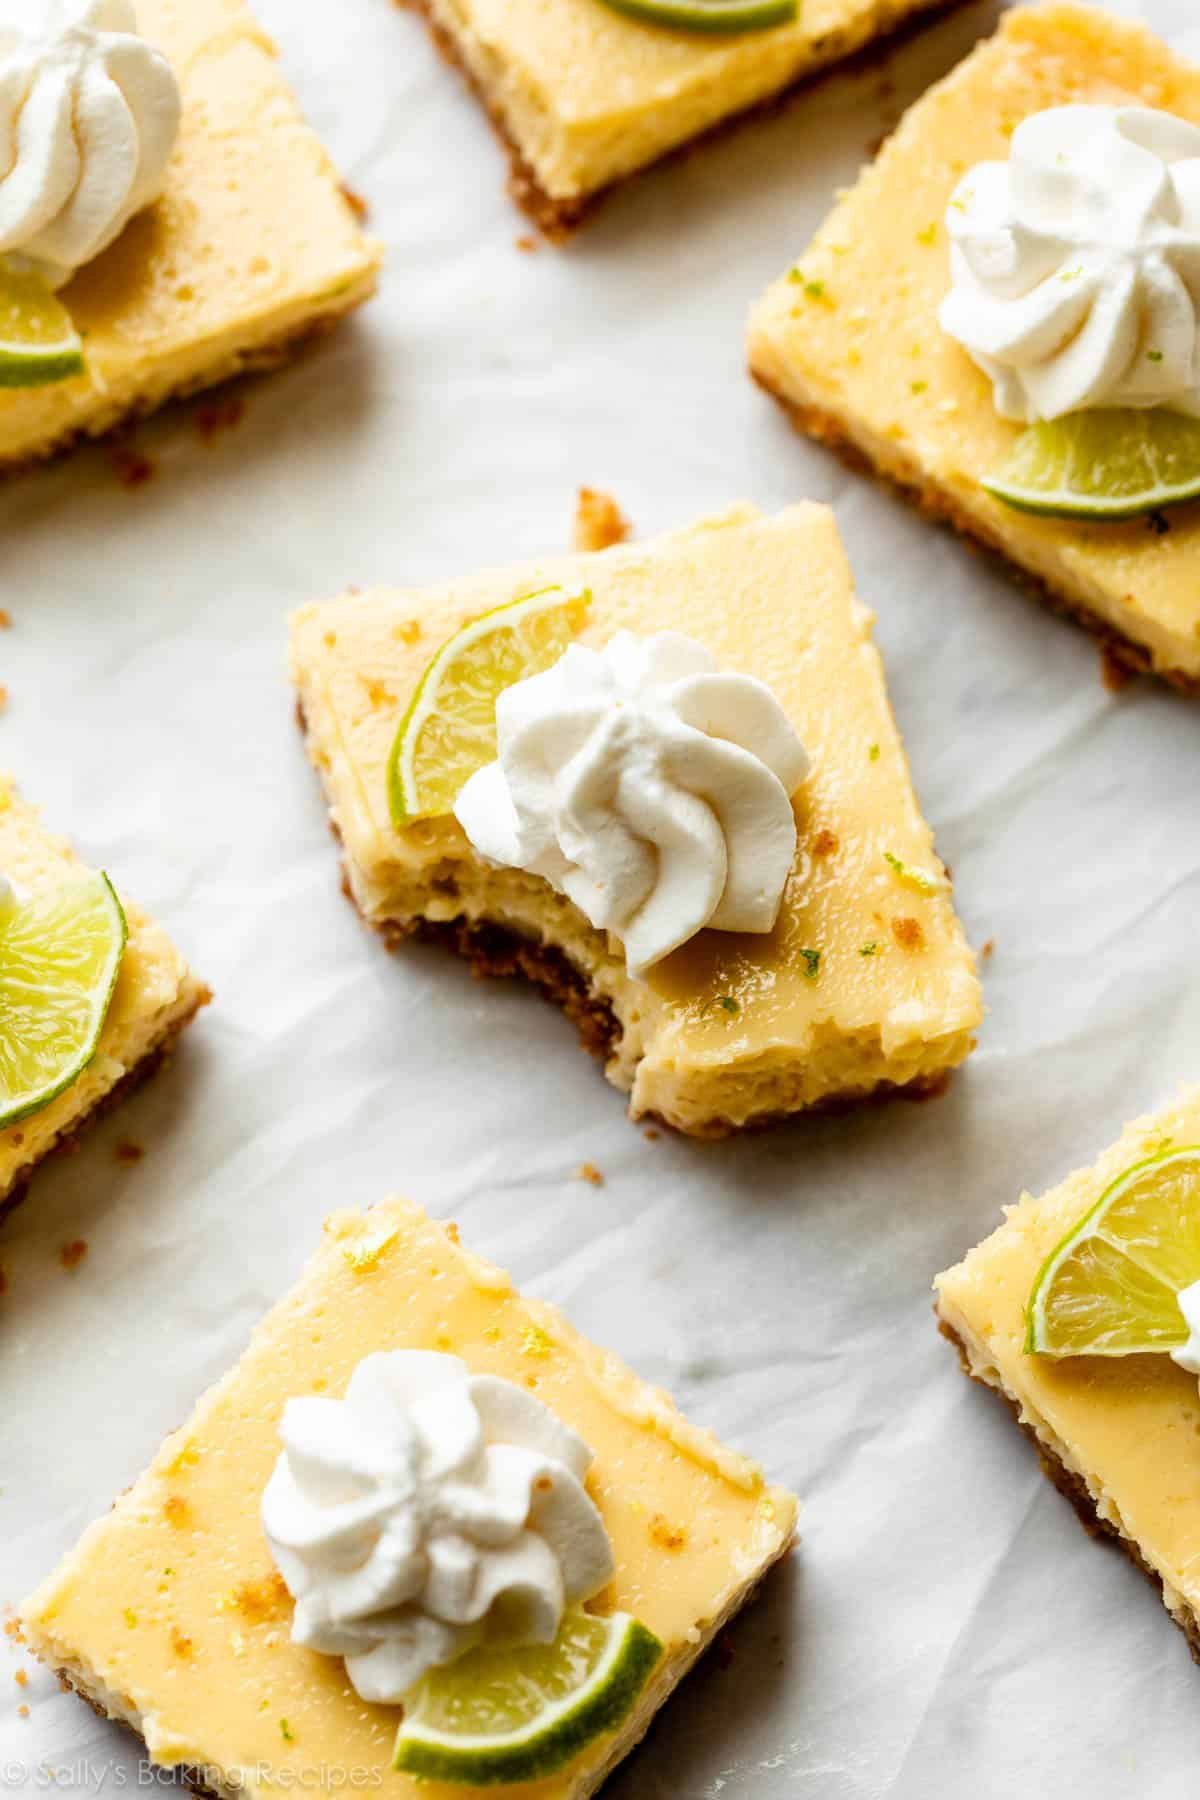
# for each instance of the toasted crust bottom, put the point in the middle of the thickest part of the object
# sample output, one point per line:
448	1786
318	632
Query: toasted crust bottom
659	1691
557	218
147	1065
257	361
937	503
1073	1488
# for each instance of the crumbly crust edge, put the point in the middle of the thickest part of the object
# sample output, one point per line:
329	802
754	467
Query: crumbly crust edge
1073	1488
556	219
938	504
147	1065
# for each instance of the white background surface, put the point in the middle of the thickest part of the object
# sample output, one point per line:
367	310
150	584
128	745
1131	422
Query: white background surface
946	1627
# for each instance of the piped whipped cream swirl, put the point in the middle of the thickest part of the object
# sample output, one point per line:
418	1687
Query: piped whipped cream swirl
1076	264
89	114
1188	1355
649	786
428	1510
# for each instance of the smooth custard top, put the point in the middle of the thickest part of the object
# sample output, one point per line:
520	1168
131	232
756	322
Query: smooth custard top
858	317
172	1599
770	597
1130	1424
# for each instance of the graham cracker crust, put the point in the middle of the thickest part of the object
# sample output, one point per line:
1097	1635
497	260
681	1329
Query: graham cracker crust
68	1141
556	219
1073	1488
245	363
937	504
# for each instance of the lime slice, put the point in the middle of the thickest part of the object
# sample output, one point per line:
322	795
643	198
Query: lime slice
38	343
1114	463
498	1715
1109	1288
449	730
708	15
60	951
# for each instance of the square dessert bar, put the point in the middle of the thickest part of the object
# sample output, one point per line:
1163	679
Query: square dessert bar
849	339
169	1615
155	997
866	982
1119	1436
583	96
252	247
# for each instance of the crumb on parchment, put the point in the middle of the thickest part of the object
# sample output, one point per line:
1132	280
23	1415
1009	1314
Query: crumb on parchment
129	1151
527	243
590	1173
599	521
988	951
72	1254
131	468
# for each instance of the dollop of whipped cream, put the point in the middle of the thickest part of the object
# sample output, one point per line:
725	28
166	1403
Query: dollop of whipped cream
89	114
427	1510
1188	1355
1076	264
649	786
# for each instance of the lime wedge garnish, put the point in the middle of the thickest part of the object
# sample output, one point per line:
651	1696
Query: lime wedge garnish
38	343
1114	463
709	15
1110	1287
60	951
499	1715
449	730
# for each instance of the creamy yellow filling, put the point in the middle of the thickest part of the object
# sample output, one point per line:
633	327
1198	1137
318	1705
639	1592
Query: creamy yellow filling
170	1608
589	95
154	990
865	978
854	332
1129	1426
218	271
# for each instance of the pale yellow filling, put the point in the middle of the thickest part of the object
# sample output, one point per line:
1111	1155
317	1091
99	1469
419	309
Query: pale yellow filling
168	1608
1129	1426
251	243
855	333
588	95
154	991
732	1026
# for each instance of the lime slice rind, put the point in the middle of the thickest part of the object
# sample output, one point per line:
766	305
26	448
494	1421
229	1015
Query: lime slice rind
39	345
1111	465
598	1666
716	16
1110	1287
449	728
60	955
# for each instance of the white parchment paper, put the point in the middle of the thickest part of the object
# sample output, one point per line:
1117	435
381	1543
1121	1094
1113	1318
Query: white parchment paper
946	1628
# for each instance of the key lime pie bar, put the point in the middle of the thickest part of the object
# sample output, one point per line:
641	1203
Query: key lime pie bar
1002	317
166	218
585	92
664	781
423	1531
1083	1311
92	993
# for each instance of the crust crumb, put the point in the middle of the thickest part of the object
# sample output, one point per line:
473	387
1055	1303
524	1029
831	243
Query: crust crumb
72	1254
12	1629
825	843
3	698
988	951
599	521
666	1535
652	1134
527	243
452	1232
260	1600
355	202
129	1151
22	1712
216	416
5	619
908	933
3	1281
21	1678
590	1173
131	468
